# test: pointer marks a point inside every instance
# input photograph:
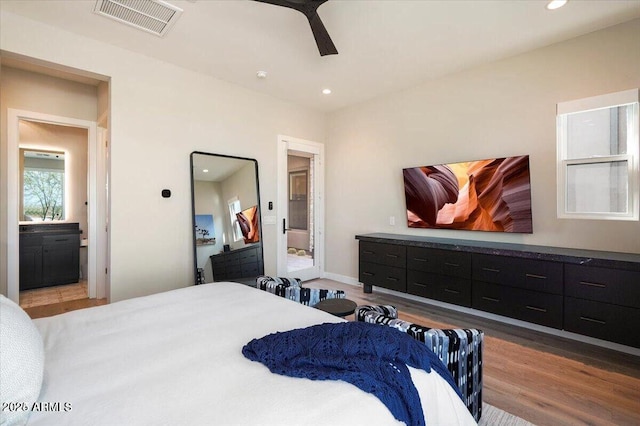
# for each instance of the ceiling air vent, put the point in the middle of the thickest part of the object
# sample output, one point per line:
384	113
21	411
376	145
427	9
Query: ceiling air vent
154	16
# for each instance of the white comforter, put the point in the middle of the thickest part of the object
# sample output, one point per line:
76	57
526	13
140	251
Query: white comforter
175	359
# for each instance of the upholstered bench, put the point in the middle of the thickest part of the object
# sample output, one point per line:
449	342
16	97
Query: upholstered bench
459	349
291	288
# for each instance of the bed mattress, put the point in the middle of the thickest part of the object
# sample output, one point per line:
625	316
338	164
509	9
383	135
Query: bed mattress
175	358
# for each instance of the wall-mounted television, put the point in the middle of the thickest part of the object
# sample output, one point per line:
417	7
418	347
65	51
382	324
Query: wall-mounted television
483	195
248	221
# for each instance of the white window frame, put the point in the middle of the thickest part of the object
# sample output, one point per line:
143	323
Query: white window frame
234	208
564	109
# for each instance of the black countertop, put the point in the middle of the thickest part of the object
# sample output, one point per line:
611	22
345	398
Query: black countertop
607	259
50	227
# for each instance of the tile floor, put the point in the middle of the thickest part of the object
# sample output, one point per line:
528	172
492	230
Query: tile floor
295	262
51	295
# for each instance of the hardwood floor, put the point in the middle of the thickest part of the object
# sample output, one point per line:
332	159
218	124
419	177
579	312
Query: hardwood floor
547	380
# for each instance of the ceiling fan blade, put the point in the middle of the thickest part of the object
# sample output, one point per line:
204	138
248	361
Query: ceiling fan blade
309	9
323	40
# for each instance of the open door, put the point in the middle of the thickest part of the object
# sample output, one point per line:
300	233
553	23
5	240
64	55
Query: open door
300	208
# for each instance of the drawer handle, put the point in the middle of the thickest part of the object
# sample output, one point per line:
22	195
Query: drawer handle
391	279
597	321
454	265
392	255
369	274
491	270
490	299
448	290
534	308
419	259
593	284
367	252
540	277
419	284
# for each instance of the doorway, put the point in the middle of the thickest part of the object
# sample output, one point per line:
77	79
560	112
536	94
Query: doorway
93	193
300	208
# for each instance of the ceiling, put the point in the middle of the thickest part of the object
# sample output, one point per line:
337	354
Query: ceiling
218	167
384	46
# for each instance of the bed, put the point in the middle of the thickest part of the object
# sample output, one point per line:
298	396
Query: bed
175	358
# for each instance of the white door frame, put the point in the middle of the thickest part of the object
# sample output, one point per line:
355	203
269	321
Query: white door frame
96	167
286	143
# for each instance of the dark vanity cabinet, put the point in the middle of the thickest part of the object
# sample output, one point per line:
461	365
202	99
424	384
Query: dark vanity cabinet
49	255
30	261
238	264
587	292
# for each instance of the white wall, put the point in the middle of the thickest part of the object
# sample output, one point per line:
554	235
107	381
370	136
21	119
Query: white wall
160	113
500	109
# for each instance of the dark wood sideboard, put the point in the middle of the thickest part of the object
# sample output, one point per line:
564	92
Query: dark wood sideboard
49	254
236	264
588	292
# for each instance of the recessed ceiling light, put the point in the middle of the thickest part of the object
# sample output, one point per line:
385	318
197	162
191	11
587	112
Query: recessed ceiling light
261	74
205	171
556	4
326	91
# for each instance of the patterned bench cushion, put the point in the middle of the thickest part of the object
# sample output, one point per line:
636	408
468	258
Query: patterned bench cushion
291	288
263	281
386	310
459	349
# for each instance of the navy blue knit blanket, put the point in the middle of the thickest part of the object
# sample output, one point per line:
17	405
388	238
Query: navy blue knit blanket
372	357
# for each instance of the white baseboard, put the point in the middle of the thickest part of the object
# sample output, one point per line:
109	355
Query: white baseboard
342	279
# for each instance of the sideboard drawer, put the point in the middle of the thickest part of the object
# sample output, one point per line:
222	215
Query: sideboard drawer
440	287
383	276
386	254
532	306
443	262
615	286
602	320
531	274
249	256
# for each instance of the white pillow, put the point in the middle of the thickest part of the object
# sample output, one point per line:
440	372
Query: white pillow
21	363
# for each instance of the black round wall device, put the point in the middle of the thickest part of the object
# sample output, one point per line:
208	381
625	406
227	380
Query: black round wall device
166	193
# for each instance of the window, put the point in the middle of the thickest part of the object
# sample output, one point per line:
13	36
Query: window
234	207
598	157
43	185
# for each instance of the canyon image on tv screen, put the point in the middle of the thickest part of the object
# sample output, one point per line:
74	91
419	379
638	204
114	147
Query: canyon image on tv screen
248	221
483	195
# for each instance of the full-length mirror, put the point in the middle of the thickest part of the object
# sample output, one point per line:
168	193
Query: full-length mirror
227	231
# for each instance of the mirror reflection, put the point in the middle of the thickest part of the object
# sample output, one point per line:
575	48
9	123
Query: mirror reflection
226	218
43	185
